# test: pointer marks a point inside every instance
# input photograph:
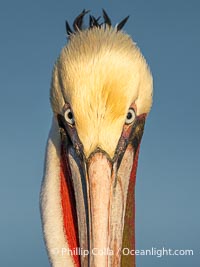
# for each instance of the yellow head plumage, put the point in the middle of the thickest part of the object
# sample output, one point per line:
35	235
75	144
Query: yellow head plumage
100	73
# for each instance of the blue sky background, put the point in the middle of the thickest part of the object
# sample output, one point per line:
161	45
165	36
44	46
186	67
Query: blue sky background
32	34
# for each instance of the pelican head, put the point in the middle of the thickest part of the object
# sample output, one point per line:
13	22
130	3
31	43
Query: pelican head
101	93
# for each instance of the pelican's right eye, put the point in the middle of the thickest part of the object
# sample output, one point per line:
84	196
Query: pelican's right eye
69	117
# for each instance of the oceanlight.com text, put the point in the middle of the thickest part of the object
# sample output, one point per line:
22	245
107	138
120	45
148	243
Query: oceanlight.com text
156	252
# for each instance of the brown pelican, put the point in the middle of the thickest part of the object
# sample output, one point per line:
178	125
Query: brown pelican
101	93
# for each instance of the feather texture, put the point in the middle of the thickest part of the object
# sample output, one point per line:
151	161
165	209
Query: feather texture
93	22
100	73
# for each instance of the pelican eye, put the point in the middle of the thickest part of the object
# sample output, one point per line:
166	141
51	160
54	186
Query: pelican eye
69	117
130	117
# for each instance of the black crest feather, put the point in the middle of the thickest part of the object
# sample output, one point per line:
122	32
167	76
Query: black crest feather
68	29
122	23
78	22
93	22
107	20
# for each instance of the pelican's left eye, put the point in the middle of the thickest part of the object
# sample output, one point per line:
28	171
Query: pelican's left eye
130	117
69	117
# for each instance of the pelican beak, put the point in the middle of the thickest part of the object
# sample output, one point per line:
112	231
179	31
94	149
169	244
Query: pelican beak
108	186
104	196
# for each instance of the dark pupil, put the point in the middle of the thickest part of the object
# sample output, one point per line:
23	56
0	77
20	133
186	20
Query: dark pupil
129	116
70	115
